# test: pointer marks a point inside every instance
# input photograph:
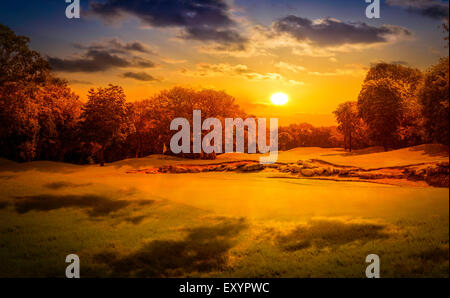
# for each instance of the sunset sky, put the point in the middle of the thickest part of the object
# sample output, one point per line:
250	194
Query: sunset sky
316	52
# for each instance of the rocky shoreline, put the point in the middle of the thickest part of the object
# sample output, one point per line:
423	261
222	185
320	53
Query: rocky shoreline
434	174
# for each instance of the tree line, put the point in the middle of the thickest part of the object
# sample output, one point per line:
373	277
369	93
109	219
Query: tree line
398	106
43	119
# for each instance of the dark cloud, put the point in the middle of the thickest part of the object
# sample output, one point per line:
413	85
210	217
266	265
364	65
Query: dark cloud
96	60
115	45
168	13
143	63
92	61
140	76
203	20
225	37
136	46
434	9
332	32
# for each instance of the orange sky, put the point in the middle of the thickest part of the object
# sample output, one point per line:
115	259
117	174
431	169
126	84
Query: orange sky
317	52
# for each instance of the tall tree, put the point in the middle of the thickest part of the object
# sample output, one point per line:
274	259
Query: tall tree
104	118
17	62
142	138
409	78
349	121
38	111
380	105
59	113
410	126
434	98
19	129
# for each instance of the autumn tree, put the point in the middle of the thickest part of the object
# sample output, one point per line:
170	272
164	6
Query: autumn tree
167	105
19	64
301	133
408	77
20	125
58	116
434	98
306	135
349	121
284	140
38	112
380	105
410	122
104	119
143	118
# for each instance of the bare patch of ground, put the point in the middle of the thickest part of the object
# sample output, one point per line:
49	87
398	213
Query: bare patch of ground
434	174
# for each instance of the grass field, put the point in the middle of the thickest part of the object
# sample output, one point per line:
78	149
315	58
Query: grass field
220	224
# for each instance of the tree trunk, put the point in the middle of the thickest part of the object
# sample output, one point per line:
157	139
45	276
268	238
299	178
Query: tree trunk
102	161
350	142
139	145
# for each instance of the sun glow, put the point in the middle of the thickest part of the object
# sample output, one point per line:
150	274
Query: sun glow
279	99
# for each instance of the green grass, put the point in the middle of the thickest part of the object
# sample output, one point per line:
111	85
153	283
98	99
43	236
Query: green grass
216	225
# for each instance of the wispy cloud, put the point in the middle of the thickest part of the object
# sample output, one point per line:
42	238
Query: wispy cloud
238	71
290	67
140	76
347	70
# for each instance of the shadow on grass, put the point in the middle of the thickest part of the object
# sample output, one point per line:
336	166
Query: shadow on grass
204	249
40	166
62	184
3	204
94	204
135	219
357	152
329	233
435	150
431	262
436	255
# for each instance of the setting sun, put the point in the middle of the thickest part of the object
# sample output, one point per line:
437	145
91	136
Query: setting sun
279	99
